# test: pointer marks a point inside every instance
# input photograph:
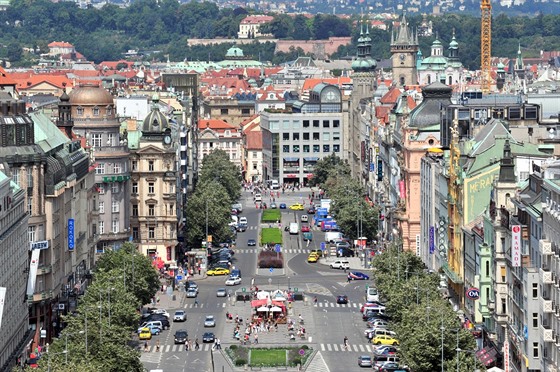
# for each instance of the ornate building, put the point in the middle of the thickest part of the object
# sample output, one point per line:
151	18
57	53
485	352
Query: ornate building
404	46
217	134
95	119
438	67
154	200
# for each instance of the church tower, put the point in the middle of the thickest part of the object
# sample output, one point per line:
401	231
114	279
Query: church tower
404	46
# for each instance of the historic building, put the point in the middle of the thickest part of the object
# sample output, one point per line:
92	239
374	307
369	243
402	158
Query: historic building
404	47
154	177
249	27
95	119
438	67
217	134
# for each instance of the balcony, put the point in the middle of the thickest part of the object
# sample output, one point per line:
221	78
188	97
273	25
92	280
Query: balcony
44	269
547	333
545	247
546	276
547	306
39	296
110	179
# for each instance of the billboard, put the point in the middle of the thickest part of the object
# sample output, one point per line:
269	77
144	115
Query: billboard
516	245
71	243
33	266
476	191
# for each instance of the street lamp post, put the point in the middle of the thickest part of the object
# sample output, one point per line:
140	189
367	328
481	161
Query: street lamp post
442	329
66	345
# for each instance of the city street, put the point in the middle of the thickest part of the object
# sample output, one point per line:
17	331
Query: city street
326	323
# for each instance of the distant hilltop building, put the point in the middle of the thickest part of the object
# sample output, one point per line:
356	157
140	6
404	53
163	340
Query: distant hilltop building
60	47
249	28
321	49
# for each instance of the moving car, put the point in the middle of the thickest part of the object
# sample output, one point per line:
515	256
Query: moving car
313	257
242	227
308	236
218	271
356	275
365	361
145	334
294	228
251	242
209	321
233	280
273	206
296	207
180	316
208	337
243	220
191	293
385	340
221	292
192	285
311	210
258	198
180	336
340	264
304	218
282	206
305	228
342	299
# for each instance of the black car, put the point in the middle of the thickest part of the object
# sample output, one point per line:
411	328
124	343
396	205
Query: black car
181	336
208	337
162	318
344	252
311	210
342	299
251	242
242	227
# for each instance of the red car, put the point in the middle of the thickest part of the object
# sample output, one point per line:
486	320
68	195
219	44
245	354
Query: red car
304	228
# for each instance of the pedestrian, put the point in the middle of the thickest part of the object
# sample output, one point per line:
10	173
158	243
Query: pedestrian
196	301
345	343
186	345
256	338
146	347
157	346
315	300
215	346
196	344
199	270
218	344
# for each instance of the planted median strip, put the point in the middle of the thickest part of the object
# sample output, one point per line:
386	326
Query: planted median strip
271	235
269	357
270	215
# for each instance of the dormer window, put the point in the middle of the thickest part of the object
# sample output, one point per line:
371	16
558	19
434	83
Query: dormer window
95	111
109	110
80	110
227	133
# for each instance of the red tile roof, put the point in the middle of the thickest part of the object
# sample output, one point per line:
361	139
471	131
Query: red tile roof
391	96
254	140
214	124
29	80
257	19
60	44
6	79
309	84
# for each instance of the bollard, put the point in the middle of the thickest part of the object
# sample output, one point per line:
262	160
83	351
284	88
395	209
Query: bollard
174	298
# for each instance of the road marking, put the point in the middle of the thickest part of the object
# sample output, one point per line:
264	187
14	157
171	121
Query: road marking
355	347
335	347
329	348
361	348
369	348
323	347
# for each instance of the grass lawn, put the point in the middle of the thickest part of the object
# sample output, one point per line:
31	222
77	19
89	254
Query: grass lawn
270	215
271	235
267	357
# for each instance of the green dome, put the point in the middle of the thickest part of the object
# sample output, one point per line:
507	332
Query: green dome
234	52
453	44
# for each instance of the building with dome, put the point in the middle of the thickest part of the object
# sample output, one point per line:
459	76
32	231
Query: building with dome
438	67
94	116
236	58
154	175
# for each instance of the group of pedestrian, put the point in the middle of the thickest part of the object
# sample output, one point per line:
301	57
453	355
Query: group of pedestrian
217	344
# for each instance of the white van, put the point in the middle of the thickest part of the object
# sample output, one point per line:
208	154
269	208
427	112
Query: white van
258	198
294	228
372	294
274	185
331	236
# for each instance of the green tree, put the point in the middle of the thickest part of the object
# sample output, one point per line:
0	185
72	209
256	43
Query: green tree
327	166
301	29
217	166
281	26
14	51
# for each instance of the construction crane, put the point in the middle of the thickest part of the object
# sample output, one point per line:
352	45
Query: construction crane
485	44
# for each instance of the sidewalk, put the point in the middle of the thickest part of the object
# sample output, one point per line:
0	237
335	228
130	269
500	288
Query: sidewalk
356	264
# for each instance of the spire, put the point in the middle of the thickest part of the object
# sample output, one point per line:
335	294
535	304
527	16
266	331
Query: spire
507	166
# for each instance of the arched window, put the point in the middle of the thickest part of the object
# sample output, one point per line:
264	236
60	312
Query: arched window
95	111
80	110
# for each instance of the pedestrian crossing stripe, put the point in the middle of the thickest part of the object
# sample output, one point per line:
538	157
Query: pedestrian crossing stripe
334	304
254	250
356	348
193	306
177	348
351	348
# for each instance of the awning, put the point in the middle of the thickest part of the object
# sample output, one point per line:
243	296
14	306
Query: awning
311	159
291	159
451	274
487	355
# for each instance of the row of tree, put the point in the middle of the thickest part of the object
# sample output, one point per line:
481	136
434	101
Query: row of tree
209	207
353	214
97	336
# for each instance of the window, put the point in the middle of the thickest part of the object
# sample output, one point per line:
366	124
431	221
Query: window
101	207
100	169
305	148
171	187
245	111
295	124
30	178
535	349
316	123
134	210
31	233
101	227
336	136
306	123
110	139
326	136
326	148
15	176
134	165
135	187
535	290
115	226
171	208
151	210
117	168
336	123
115	188
286	136
285	148
530	112
80	111
487	268
151	188
95	111
326	124
296	148
535	320
514	113
114	206
306	136
316	148
135	233
101	188
316	136
30	204
254	154
96	139
109	110
254	166
151	232
151	165
224	111
336	148
295	136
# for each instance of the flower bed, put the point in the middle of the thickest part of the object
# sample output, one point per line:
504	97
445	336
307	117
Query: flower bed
270	259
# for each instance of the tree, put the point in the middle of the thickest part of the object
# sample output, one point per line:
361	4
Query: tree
14	51
327	166
217	166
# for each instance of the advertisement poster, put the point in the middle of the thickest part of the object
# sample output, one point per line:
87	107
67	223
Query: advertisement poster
33	271
516	246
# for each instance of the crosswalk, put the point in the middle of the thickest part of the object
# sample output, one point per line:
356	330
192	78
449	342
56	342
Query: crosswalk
285	251
334	304
356	348
202	305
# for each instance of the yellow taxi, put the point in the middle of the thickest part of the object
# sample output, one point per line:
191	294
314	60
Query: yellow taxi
145	334
296	207
313	257
218	271
385	340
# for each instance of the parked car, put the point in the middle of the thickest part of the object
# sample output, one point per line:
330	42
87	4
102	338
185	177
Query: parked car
218	271
385	350
208	337
376	323
385	340
162	312
154	327
273	206
296	207
209	321
340	264
145	334
180	316
282	206
243	220
345	252
342	299
233	280
161	318
365	361
251	242
181	336
357	275
221	292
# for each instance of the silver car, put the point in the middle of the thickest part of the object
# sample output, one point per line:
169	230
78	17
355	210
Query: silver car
221	292
365	361
209	321
180	316
191	293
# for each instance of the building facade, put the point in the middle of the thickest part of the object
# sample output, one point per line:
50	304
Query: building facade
404	47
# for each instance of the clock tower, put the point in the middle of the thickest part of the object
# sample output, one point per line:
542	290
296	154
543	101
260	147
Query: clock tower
404	46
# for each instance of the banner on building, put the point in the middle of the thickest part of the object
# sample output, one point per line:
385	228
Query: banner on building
402	189
70	234
380	170
516	246
2	301
432	238
33	266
